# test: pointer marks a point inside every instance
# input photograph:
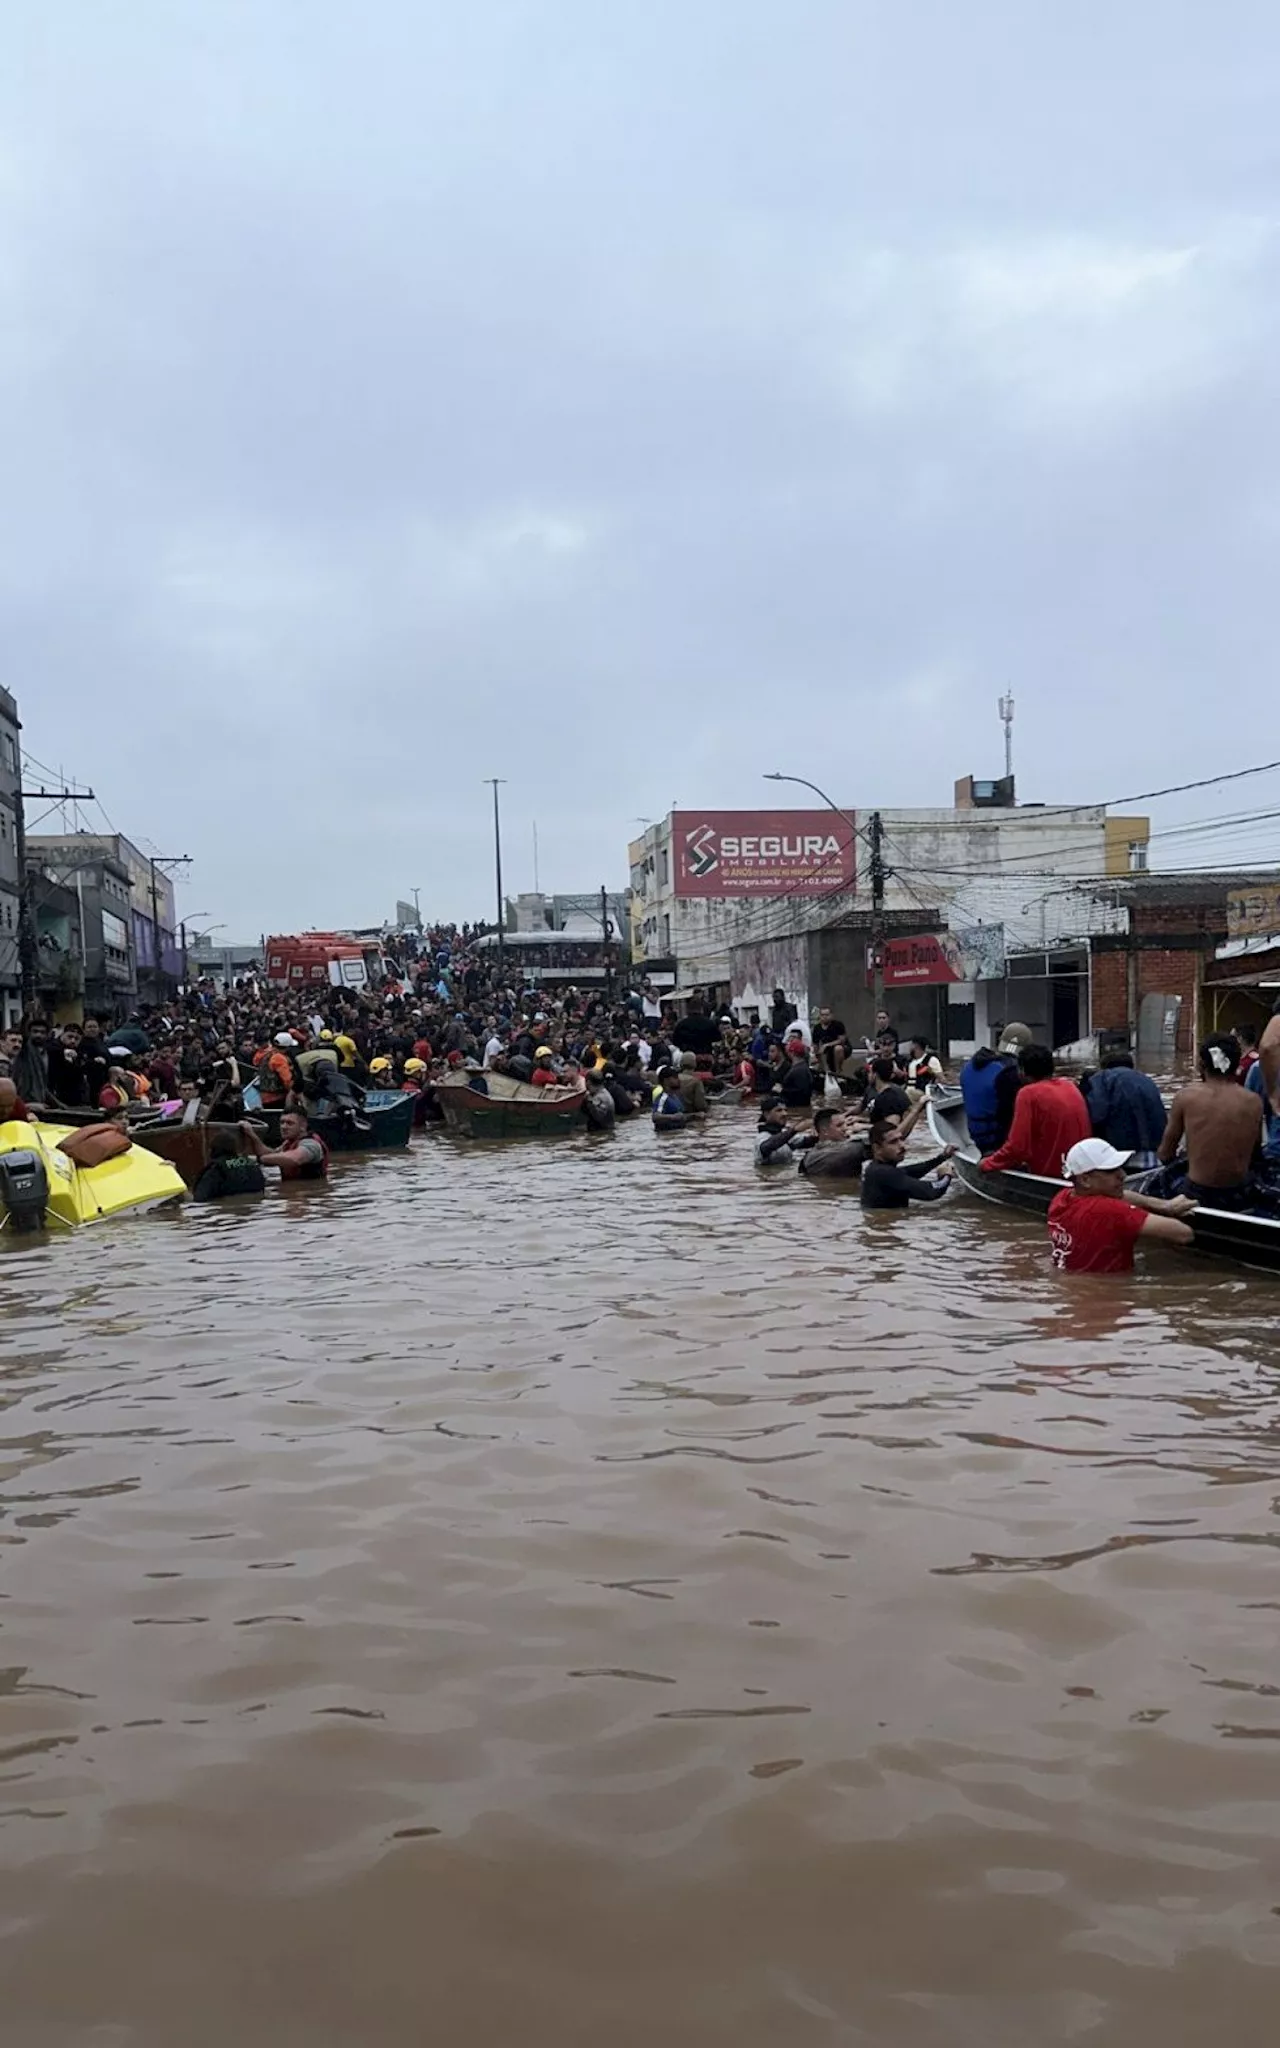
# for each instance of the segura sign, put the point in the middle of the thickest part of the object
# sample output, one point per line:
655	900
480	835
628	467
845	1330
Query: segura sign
761	853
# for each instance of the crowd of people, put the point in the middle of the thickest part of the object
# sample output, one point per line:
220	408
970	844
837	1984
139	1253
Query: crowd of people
833	1106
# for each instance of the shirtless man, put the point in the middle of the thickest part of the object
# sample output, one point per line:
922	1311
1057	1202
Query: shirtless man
1222	1125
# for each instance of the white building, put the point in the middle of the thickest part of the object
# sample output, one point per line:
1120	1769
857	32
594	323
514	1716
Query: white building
1039	871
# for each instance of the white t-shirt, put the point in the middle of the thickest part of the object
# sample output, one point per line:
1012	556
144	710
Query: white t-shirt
646	1051
492	1049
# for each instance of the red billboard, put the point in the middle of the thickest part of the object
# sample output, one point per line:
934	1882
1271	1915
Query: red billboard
761	853
927	957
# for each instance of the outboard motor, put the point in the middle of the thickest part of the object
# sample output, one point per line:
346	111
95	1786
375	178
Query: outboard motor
24	1190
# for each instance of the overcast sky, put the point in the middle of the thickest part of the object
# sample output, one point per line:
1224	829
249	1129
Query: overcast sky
626	401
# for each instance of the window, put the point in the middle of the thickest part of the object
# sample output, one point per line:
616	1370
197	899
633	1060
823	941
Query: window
665	875
666	933
1137	856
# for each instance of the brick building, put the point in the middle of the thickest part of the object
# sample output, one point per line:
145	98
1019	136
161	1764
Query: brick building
1176	925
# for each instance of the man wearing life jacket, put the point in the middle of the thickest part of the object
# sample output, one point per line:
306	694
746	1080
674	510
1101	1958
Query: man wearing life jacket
989	1083
273	1069
301	1155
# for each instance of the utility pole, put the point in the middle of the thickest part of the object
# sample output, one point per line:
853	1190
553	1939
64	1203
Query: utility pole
417	909
28	942
495	780
606	932
877	907
160	860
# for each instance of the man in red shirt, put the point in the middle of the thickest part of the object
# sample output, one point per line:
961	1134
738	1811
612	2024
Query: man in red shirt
1094	1224
1049	1117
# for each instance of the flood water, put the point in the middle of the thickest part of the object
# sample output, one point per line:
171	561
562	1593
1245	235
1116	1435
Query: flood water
592	1592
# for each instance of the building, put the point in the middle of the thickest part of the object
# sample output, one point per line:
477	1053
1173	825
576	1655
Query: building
1201	949
734	901
152	910
224	964
83	865
10	826
535	912
55	910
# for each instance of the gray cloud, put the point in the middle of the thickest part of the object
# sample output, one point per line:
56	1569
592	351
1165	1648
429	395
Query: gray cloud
625	406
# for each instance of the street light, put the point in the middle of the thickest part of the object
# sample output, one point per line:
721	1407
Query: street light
876	836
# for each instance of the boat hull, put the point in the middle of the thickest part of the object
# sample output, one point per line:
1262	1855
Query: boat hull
512	1109
186	1147
1250	1240
93	1194
383	1124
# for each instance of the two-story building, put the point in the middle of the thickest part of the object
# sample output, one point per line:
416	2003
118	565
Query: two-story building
743	902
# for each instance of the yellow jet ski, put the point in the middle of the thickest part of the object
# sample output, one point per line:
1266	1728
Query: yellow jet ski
40	1188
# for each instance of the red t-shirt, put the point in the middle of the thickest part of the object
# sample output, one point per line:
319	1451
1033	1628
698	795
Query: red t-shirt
1049	1117
543	1077
1093	1233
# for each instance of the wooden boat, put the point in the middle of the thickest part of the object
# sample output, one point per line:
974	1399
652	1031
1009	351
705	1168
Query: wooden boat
186	1146
510	1109
1252	1240
382	1125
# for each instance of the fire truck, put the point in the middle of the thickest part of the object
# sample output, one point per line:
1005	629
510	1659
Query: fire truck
320	960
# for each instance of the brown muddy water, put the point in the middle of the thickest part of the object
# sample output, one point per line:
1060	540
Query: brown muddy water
596	1593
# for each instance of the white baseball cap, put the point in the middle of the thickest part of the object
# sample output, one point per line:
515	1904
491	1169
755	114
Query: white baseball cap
1094	1155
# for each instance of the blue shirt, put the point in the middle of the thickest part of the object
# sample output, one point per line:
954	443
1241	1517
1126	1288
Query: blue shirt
1271	1122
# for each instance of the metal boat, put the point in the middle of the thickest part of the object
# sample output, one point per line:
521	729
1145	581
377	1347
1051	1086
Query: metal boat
1251	1240
383	1124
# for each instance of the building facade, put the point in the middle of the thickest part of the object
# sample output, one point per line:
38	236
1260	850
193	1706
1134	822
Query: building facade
103	888
1048	878
154	950
10	800
224	964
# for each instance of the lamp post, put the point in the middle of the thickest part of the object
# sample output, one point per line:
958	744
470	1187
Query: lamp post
495	781
878	873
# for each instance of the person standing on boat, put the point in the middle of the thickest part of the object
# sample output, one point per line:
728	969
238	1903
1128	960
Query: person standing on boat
301	1155
1127	1109
1049	1117
274	1070
1094	1223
